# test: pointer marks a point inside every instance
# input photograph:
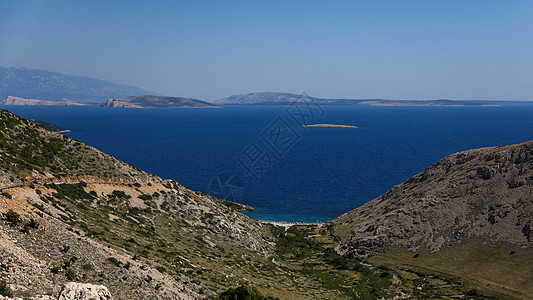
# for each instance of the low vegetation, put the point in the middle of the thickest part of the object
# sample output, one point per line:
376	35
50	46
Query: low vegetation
5	290
309	251
302	264
242	293
12	218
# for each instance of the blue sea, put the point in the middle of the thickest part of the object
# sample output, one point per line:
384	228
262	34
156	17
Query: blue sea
263	157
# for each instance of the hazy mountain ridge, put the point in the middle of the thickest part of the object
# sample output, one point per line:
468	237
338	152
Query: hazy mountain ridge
45	85
55	86
483	194
150	101
263	97
273	98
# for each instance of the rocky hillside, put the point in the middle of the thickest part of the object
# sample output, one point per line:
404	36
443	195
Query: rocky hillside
22	101
149	101
31	154
483	195
54	86
149	241
70	214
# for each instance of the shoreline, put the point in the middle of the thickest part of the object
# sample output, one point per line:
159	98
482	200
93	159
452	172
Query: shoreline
287	225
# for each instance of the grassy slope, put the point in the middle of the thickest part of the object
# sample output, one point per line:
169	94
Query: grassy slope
500	270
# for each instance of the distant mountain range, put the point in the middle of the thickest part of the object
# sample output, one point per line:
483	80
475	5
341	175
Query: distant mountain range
149	101
54	86
49	86
262	98
272	98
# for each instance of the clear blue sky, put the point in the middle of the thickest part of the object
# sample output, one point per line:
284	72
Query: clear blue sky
475	49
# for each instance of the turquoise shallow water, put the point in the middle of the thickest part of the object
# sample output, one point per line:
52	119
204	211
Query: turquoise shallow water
262	157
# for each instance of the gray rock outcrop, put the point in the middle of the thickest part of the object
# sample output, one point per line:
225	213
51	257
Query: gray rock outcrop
84	291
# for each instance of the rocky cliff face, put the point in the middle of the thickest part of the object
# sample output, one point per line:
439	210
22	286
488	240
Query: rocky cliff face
485	194
155	101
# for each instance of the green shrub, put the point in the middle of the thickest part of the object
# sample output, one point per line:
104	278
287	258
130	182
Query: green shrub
144	197
65	248
70	274
4	289
12	217
120	194
73	191
82	206
56	268
31	224
242	293
114	261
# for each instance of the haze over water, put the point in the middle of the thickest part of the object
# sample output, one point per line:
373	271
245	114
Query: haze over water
323	173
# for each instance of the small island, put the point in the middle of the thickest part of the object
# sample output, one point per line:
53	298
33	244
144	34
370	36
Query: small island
11	100
150	101
331	125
